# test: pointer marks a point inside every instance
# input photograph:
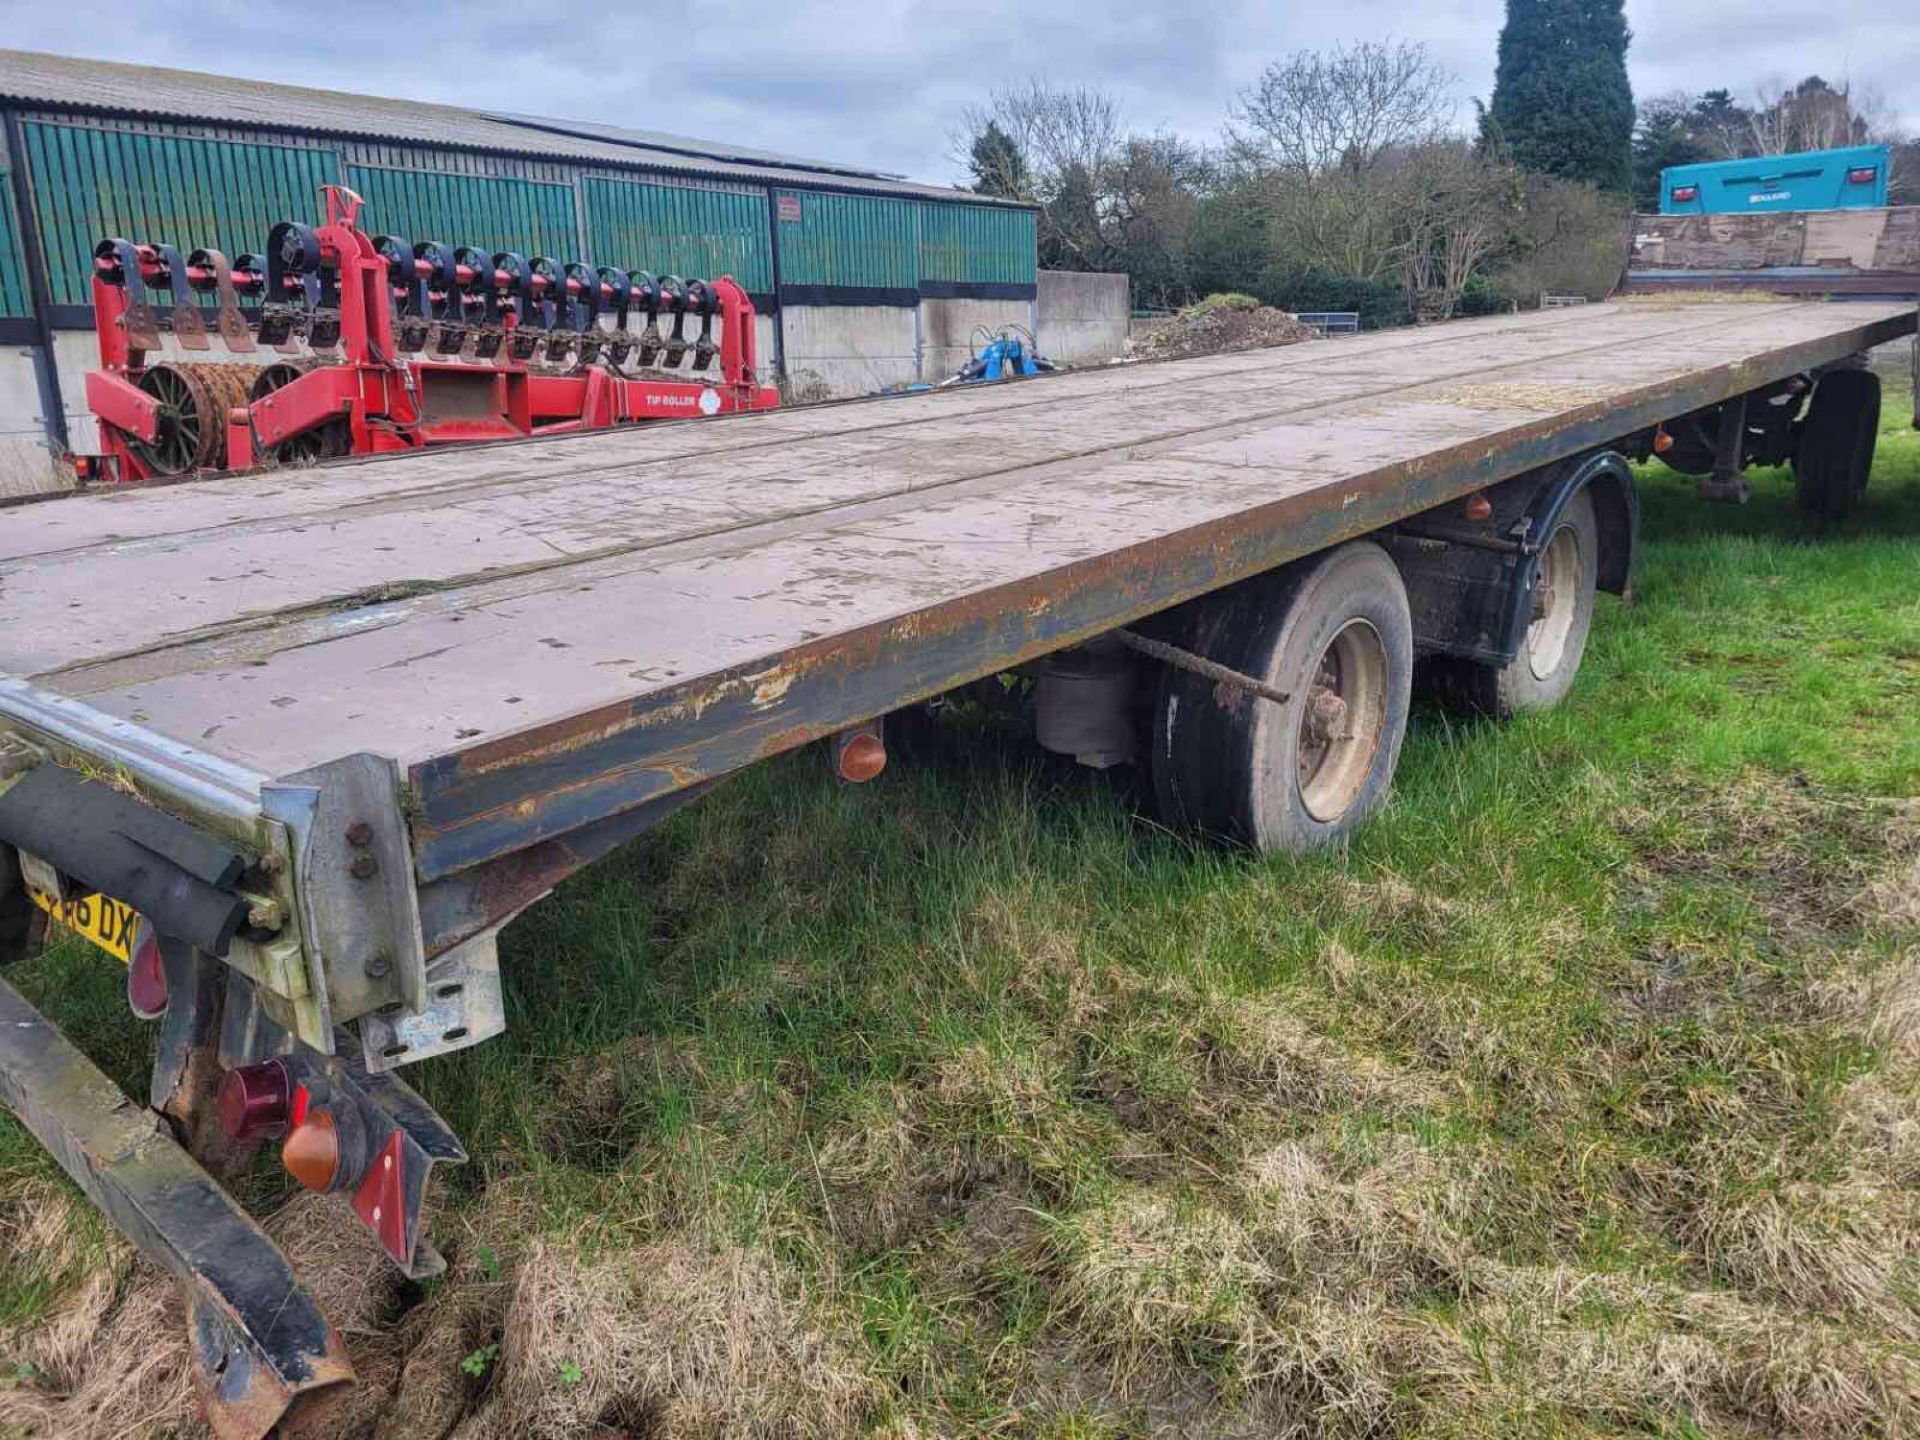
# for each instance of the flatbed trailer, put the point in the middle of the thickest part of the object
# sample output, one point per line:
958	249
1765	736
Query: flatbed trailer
325	731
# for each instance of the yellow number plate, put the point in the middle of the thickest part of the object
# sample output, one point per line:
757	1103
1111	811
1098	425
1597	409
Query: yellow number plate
105	921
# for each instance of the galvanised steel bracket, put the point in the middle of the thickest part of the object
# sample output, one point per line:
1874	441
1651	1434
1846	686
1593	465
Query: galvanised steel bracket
332	843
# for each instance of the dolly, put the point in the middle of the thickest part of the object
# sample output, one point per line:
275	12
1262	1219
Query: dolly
382	345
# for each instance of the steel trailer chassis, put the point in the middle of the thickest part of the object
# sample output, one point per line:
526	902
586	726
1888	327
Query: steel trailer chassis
309	932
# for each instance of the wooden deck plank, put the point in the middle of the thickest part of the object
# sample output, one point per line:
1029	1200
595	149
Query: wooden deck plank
261	562
236	504
720	563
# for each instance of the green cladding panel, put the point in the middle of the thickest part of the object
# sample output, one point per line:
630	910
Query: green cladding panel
976	244
680	230
90	183
865	241
16	301
489	213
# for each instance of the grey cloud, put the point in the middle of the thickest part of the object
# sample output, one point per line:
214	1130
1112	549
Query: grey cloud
883	84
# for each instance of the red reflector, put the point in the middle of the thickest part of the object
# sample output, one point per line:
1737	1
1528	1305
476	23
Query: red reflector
253	1100
1662	442
1683	193
1866	175
1478	507
146	975
302	1098
381	1200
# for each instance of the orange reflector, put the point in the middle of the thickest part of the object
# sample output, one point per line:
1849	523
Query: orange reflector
862	757
312	1152
1662	442
1479	508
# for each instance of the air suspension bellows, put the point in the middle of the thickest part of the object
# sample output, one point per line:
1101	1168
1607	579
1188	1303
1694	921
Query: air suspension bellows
190	431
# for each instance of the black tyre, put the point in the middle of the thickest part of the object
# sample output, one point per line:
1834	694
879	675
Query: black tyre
1834	453
1542	672
1332	632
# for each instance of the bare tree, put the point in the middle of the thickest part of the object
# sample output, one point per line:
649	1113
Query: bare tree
1058	129
1815	115
1317	112
1453	211
1067	143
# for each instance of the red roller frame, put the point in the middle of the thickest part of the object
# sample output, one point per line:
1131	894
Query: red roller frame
392	401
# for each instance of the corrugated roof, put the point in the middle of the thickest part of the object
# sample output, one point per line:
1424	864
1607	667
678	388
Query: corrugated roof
685	145
110	87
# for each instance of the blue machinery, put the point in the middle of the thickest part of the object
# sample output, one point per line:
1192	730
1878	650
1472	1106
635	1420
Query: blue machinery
1008	351
1851	179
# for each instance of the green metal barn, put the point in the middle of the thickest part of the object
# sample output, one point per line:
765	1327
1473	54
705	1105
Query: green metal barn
861	280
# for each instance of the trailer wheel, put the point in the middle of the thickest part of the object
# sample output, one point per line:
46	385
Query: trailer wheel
1542	672
1834	454
1335	635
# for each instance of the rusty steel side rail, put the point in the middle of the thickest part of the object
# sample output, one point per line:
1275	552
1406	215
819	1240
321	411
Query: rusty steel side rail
208	790
263	1355
473	806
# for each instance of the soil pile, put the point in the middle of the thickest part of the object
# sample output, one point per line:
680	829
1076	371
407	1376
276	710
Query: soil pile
1219	329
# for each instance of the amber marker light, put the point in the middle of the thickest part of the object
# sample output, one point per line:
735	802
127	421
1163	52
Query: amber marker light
312	1152
861	757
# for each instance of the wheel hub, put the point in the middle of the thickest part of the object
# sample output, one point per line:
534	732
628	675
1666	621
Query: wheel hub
1554	593
1341	721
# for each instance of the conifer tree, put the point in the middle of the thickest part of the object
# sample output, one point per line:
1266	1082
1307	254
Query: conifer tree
1562	104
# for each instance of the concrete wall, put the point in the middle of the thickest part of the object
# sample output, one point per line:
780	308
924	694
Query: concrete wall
838	350
1082	316
947	326
26	460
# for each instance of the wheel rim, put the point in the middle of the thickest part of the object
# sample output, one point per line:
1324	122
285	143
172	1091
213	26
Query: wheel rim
193	400
1341	721
319	443
1558	594
176	439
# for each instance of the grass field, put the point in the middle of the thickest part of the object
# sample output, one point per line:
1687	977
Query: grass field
1581	1097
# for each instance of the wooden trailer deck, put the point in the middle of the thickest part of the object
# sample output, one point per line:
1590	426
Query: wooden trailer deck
547	633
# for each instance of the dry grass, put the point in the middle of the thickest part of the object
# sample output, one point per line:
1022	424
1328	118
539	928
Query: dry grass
666	1340
109	1360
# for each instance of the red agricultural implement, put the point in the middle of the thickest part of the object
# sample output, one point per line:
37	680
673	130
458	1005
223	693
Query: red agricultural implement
374	344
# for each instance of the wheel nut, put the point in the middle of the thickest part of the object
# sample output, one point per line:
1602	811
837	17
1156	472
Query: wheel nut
364	867
359	834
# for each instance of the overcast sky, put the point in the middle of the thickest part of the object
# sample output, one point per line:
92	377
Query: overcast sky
883	84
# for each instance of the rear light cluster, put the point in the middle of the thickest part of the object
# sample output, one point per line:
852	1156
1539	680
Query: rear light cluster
1864	175
324	1148
1683	193
331	1142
